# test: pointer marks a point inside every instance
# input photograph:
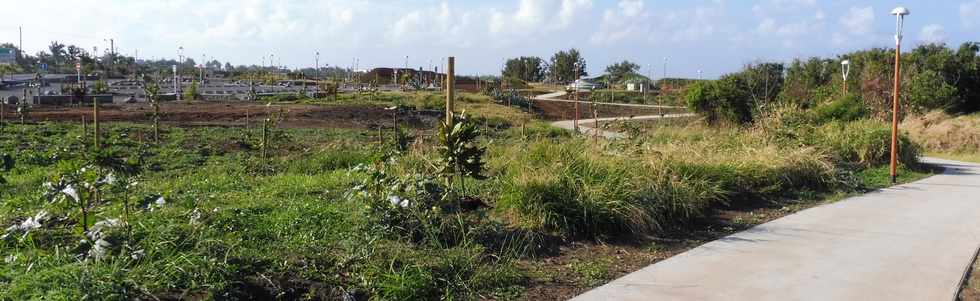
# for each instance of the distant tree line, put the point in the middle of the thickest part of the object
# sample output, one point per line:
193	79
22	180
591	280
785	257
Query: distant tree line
563	67
61	58
934	77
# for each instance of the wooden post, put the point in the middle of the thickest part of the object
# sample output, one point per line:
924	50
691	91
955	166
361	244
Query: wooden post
95	120
450	89
84	129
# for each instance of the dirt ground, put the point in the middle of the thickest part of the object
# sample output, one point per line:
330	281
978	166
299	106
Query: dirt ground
584	265
237	114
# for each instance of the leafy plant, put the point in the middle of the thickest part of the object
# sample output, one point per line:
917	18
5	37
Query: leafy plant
459	154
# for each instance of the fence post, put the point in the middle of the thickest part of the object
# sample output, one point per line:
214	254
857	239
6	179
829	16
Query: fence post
450	89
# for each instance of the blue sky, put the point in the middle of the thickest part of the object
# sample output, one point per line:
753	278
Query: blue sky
717	36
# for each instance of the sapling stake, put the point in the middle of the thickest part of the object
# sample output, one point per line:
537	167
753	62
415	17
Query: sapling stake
265	138
95	120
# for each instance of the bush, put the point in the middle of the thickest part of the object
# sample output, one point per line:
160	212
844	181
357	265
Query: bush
721	101
847	108
866	143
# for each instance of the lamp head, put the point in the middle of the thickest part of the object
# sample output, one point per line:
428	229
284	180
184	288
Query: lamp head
900	11
845	62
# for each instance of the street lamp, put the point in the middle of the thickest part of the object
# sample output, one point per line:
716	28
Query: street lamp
900	13
845	70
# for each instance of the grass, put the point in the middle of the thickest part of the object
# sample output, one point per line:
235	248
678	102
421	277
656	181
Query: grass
946	136
315	219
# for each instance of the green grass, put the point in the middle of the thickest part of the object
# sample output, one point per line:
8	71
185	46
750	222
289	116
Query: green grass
300	225
966	157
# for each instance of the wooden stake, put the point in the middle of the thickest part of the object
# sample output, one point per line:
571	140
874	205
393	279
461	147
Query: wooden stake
450	89
95	119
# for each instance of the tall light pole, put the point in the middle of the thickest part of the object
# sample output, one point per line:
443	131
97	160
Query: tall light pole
317	67
699	74
845	69
575	87
662	90
180	61
900	13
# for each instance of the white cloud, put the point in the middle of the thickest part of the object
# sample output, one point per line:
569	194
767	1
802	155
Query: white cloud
631	8
970	13
932	33
534	17
859	20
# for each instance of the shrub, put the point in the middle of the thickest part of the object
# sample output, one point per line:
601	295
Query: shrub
864	143
847	108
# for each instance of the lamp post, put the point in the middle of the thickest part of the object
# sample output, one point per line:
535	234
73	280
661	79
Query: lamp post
180	62
900	13
575	87
845	70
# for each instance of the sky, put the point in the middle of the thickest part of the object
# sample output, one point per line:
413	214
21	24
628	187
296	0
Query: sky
716	36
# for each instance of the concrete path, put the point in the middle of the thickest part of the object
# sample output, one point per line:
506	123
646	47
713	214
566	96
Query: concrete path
554	96
587	126
909	242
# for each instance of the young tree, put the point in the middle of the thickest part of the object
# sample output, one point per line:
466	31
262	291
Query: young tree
620	71
564	65
191	93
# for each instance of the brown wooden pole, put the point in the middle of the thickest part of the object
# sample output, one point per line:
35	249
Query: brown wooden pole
897	87
95	120
450	89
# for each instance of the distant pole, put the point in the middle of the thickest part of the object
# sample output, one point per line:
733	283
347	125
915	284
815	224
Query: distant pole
900	13
699	74
845	70
450	89
20	32
176	92
575	88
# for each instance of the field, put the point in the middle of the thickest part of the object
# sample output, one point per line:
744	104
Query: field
337	199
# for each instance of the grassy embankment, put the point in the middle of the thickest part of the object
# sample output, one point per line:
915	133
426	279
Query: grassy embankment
945	136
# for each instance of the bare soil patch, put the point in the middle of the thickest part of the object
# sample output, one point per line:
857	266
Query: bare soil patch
237	114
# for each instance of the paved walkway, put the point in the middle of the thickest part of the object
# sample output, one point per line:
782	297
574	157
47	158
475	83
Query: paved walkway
908	242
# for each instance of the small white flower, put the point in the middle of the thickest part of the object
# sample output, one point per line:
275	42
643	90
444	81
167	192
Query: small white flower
398	201
70	191
10	258
160	201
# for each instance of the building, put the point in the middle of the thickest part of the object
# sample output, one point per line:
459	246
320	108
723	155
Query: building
637	85
8	56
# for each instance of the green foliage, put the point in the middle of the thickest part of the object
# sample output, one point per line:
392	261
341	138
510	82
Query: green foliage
847	108
191	93
458	152
526	69
929	91
565	65
620	71
722	101
100	87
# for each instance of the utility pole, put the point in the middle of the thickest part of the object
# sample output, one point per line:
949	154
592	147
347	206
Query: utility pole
450	86
20	34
